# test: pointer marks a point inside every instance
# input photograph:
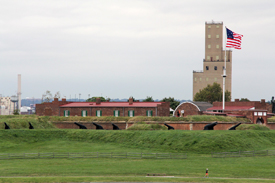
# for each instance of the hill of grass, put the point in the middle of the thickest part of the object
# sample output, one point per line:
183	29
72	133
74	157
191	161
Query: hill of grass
155	141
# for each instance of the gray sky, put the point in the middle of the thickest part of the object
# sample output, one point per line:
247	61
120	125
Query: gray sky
122	48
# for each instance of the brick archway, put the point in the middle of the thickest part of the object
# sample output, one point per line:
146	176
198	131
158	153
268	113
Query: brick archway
260	121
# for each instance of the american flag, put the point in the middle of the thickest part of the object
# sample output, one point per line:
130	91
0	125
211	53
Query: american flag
234	40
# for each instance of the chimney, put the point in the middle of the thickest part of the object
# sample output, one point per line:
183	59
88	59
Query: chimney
64	100
108	100
55	100
262	100
98	101
237	100
131	100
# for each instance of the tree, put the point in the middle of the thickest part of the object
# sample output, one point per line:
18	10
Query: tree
93	99
212	93
57	95
148	99
47	96
173	103
244	100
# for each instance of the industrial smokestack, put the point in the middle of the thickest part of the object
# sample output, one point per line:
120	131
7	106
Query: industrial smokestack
19	93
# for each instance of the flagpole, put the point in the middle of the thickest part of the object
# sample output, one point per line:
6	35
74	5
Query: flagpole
224	76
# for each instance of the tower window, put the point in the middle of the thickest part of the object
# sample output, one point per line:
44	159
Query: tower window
215	68
207	68
217	46
209	36
209	26
208	58
218	26
217	36
217	57
209	46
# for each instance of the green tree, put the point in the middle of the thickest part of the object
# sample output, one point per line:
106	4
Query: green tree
212	93
244	100
173	103
148	99
93	99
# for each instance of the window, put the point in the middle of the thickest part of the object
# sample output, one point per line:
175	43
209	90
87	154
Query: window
98	113
217	57
215	79
116	113
66	113
255	113
217	36
209	36
200	79
208	58
131	113
215	68
195	79
209	46
206	79
218	26
217	46
209	26
207	68
149	113
84	113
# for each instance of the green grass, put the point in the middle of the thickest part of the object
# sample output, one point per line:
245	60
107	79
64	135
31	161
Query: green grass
252	127
196	118
157	140
197	144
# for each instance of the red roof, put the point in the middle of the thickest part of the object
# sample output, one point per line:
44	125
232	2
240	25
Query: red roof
112	104
231	108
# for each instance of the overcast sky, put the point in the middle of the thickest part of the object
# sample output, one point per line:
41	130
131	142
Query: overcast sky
122	48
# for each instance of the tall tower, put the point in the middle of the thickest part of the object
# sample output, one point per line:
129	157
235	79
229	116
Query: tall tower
19	92
213	62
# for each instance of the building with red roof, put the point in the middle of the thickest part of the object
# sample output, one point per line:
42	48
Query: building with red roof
98	108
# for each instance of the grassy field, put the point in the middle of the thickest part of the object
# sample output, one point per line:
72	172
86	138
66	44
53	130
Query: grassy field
22	120
197	144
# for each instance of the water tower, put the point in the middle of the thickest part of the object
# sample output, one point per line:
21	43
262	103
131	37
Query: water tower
14	99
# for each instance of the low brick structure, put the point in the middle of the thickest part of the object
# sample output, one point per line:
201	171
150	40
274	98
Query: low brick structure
191	108
98	108
256	111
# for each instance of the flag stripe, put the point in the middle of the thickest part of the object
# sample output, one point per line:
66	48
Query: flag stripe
234	40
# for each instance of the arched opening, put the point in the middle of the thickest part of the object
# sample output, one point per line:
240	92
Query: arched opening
260	121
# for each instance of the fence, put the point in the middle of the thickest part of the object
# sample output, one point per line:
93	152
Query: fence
93	155
243	154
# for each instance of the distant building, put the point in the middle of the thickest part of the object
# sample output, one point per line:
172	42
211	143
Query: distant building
256	111
213	62
6	106
98	108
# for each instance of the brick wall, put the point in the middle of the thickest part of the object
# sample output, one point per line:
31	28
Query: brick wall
54	109
50	108
109	111
189	109
176	125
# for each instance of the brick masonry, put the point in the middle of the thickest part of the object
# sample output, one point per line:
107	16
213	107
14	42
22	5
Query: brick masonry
178	126
54	109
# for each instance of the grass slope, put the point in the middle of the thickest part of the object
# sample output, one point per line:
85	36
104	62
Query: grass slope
156	141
